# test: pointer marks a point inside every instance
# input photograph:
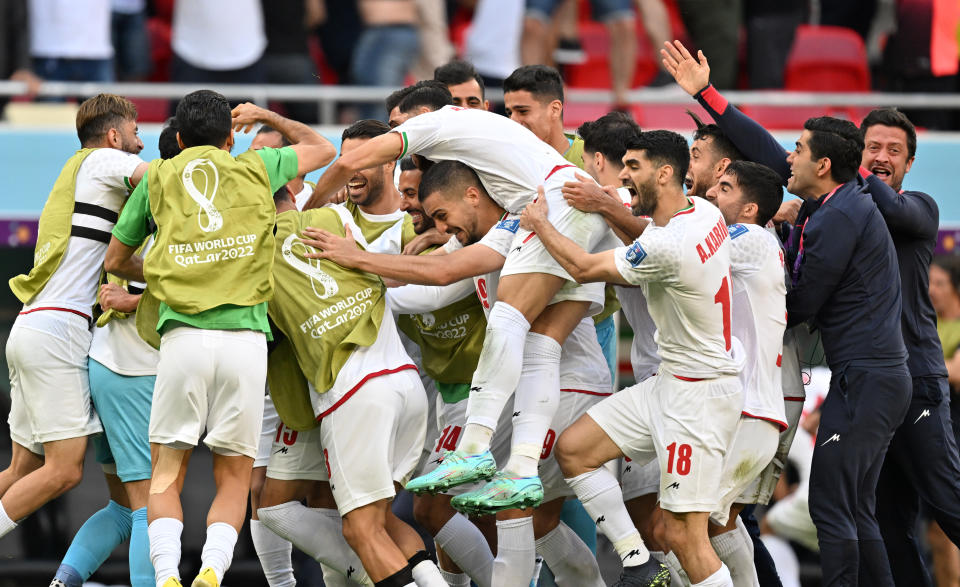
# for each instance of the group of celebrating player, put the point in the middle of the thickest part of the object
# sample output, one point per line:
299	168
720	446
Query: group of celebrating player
392	315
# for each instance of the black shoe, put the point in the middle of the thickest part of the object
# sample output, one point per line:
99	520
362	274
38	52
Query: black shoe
650	574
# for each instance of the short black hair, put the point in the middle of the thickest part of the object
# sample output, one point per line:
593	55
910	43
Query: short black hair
393	100
365	129
664	147
429	93
282	195
267	128
168	145
448	175
719	141
542	81
609	135
759	185
458	71
838	140
895	118
407	164
203	118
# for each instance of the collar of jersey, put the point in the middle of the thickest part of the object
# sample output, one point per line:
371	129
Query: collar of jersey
686	210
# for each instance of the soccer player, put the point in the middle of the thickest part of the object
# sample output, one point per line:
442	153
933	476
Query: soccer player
748	195
464	83
533	97
452	193
535	295
210	269
351	354
912	219
49	343
687	414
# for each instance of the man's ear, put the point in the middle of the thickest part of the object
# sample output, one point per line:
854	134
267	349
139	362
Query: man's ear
180	141
556	108
113	138
599	161
228	146
823	167
750	209
664	174
472	195
721	166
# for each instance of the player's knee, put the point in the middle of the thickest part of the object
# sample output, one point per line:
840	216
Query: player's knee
359	529
428	512
568	455
66	476
673	533
256	490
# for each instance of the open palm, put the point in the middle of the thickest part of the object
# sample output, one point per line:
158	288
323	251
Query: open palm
691	74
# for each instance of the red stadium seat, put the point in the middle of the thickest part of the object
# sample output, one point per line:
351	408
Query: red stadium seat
595	71
827	59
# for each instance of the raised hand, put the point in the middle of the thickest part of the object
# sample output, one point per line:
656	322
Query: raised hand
246	115
691	74
342	250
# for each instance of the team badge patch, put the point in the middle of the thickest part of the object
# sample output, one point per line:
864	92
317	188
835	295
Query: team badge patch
509	224
635	254
736	230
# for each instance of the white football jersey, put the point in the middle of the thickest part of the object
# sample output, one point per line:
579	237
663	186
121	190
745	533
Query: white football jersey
759	318
684	271
583	368
510	160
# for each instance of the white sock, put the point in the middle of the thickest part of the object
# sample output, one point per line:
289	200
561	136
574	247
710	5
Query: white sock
455	579
675	579
534	403
735	549
721	578
676	569
274	553
516	553
600	495
317	532
218	549
6	524
569	558
464	543
164	536
497	374
426	574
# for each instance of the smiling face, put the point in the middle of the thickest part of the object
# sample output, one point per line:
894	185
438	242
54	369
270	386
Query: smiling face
540	117
885	154
366	187
639	177
454	215
803	169
728	197
409	185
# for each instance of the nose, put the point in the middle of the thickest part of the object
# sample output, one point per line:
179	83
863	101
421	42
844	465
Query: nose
404	205
441	226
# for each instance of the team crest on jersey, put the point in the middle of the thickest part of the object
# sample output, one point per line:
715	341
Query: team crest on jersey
635	254
737	230
509	224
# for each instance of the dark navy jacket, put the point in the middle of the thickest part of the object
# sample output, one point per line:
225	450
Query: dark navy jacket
912	219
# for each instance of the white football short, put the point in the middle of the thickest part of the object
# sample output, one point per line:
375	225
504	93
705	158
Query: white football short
754	444
296	455
638	479
268	431
374	439
210	380
434	405
687	426
528	255
49	385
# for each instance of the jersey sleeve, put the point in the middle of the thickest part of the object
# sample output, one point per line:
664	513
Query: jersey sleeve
281	165
114	168
652	257
500	237
420	132
133	225
418	299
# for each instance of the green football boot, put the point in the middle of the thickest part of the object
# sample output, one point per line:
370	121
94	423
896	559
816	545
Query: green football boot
456	468
503	492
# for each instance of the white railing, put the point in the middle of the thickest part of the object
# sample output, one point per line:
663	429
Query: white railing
327	97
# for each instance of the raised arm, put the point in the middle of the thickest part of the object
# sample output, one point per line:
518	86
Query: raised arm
122	262
312	149
467	262
377	151
582	266
754	141
417	299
